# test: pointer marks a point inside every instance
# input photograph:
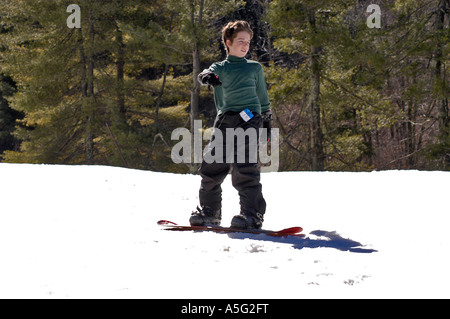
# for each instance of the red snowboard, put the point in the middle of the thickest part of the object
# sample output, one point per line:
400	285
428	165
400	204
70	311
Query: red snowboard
292	231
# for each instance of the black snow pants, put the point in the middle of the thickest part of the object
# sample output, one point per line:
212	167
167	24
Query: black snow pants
239	147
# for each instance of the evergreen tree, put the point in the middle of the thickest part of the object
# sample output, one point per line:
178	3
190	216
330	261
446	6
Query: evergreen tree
8	116
382	92
314	31
415	47
54	67
345	96
74	83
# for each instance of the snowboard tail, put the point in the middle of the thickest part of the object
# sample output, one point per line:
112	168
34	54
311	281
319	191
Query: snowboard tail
292	231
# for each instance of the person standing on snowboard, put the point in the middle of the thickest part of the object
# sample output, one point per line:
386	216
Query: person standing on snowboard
242	102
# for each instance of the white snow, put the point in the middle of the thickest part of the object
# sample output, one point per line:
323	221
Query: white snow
91	232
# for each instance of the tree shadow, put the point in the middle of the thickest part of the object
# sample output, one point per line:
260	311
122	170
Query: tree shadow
319	239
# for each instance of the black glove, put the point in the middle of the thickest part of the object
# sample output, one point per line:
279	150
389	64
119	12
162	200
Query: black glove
267	123
209	78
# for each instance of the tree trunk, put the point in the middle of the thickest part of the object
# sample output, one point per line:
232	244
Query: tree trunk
120	65
443	103
195	98
317	156
410	139
89	135
443	114
87	88
160	95
195	94
86	93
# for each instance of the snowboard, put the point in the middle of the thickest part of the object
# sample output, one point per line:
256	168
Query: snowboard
292	231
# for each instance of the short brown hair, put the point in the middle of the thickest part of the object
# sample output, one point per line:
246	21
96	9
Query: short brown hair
230	31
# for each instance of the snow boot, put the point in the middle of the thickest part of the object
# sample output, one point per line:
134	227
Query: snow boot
247	220
206	216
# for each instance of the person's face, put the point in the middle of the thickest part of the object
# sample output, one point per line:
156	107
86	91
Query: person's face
240	45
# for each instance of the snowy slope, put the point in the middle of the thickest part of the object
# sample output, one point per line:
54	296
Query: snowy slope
90	231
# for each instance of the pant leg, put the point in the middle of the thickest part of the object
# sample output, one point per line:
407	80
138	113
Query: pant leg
213	174
246	179
246	174
210	193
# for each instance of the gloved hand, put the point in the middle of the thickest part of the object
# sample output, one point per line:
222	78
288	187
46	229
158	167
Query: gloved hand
209	78
267	123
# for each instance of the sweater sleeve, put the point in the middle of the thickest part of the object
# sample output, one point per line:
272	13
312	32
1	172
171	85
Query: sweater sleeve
212	69
261	90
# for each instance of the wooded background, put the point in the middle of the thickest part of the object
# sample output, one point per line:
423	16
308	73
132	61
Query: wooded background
345	97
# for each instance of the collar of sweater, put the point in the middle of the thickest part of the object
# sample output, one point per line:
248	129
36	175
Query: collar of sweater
235	59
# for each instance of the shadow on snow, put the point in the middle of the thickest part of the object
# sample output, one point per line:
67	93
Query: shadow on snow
325	239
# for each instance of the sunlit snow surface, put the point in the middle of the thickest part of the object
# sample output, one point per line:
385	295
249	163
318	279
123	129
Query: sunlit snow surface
91	232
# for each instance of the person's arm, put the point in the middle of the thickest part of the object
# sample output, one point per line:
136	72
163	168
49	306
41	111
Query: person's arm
261	91
263	96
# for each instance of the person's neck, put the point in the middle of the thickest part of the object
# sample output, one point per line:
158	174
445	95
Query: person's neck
233	58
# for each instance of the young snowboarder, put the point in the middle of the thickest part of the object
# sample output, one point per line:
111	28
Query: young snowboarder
242	104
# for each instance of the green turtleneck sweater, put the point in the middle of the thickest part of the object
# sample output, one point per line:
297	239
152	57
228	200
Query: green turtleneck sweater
243	86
